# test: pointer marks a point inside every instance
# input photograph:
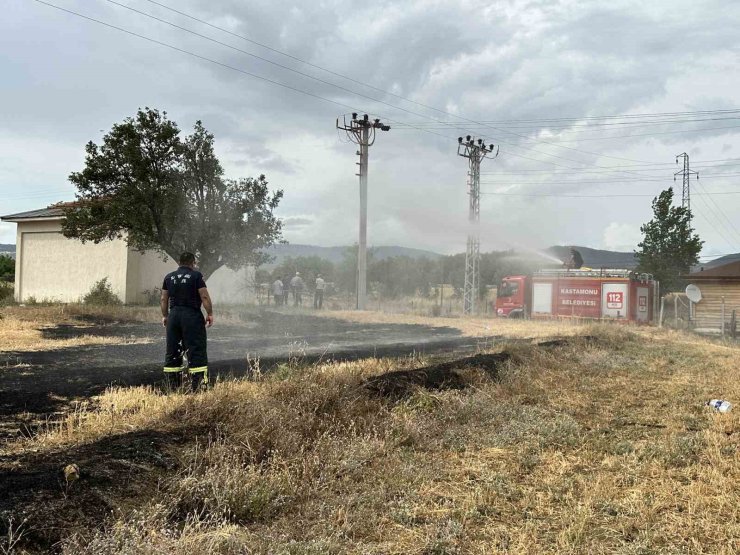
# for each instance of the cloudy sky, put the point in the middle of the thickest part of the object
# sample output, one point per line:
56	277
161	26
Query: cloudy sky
537	78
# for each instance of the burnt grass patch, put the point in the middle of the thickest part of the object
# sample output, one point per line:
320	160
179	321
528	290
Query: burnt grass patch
34	491
124	330
454	374
447	375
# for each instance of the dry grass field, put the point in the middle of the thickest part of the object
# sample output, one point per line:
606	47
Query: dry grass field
22	327
470	326
598	444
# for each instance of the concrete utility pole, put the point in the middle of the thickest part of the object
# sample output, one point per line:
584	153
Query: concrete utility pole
362	133
475	152
686	173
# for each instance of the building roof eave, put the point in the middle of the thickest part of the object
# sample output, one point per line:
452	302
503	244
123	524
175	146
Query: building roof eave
14	220
51	212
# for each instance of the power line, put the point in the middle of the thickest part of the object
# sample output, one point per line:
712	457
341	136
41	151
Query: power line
351	91
721	212
41	193
161	43
588	127
650	134
266	60
190	53
568	195
718	255
301	91
711	221
544	181
589	170
624	116
295	58
250	74
356	81
587	139
648	172
195	55
578	128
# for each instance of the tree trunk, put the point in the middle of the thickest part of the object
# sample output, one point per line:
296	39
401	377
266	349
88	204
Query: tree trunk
207	268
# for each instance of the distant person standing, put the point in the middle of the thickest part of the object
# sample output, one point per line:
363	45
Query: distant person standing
183	293
286	289
297	286
277	291
318	296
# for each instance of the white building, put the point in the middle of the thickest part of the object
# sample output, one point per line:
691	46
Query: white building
52	267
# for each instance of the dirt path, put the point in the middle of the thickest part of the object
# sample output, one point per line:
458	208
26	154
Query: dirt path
45	382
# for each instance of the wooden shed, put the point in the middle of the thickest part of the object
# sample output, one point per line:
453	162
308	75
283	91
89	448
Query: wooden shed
719	286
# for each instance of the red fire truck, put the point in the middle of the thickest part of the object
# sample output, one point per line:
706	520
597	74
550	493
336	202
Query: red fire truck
584	293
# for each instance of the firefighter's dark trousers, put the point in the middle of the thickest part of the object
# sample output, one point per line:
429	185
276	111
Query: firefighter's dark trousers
186	333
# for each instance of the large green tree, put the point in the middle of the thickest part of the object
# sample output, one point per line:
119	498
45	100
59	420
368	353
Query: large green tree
159	191
669	246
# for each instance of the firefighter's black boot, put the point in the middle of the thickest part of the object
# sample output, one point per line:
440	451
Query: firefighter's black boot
199	380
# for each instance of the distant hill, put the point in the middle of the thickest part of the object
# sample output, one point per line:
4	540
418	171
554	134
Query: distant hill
7	250
592	257
336	254
721	261
596	258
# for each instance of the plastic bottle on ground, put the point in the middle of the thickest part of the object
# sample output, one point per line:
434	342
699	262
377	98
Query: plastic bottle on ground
719	405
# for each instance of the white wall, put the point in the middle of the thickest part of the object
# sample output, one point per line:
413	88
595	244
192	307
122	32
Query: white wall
52	267
146	273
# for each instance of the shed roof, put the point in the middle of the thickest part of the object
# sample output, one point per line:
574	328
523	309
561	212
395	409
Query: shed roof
52	212
729	271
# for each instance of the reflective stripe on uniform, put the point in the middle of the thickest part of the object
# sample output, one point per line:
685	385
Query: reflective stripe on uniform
173	368
198	370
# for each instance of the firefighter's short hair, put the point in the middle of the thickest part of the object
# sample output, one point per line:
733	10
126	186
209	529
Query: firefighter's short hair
187	259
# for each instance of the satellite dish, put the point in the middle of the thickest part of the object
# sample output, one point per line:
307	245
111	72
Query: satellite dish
693	293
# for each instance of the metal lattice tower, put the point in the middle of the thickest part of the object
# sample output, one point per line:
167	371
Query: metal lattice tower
475	152
686	174
362	133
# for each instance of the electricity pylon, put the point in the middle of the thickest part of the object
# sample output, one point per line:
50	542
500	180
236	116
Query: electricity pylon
475	152
362	132
686	173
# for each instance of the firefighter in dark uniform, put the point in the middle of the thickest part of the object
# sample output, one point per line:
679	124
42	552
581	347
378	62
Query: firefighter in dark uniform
575	262
183	293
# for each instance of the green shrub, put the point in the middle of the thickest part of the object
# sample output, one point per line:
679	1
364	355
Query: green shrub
7	266
101	294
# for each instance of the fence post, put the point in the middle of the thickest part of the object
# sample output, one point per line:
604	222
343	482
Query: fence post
733	325
723	317
662	307
675	310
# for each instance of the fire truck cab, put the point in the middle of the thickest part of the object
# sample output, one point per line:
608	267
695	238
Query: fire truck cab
512	297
